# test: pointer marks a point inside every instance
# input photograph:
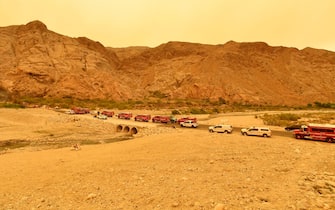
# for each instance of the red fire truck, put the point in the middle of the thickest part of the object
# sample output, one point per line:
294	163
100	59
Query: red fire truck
319	132
125	115
143	117
108	113
193	119
161	119
79	110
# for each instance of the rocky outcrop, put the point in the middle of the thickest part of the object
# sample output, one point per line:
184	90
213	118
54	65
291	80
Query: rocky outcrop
35	61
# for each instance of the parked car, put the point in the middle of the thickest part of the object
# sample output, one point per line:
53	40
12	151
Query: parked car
256	131
292	127
189	124
70	112
101	117
221	128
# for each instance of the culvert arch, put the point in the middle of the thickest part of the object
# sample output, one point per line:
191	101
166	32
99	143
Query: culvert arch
126	129
119	128
133	130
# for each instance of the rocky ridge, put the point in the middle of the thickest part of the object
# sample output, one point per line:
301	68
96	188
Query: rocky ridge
38	62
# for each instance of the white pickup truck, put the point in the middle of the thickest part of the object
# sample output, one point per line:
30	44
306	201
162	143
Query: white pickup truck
189	124
221	128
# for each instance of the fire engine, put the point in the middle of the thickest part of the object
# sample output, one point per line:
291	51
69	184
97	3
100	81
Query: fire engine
161	119
125	115
319	132
193	119
108	113
79	110
143	117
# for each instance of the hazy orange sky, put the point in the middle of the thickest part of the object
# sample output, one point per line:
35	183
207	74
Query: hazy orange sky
122	23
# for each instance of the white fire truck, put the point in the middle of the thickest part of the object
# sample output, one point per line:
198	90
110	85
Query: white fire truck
319	132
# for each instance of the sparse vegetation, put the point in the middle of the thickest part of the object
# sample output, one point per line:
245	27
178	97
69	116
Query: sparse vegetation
13	144
159	101
11	105
287	119
280	119
198	111
324	105
175	112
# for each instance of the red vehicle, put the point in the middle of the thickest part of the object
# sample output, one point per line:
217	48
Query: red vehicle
161	119
78	110
193	119
108	113
319	132
143	117
125	115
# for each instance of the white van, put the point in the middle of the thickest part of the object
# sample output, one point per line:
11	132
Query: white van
221	128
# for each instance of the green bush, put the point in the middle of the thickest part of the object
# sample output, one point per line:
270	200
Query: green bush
288	116
324	105
197	111
175	112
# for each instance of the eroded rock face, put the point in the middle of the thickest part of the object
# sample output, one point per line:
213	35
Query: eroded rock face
38	62
237	72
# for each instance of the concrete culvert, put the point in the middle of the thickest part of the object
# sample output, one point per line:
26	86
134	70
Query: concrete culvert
133	130
119	128
126	129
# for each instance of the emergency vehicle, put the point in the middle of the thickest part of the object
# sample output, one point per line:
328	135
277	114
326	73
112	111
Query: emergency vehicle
143	117
193	119
161	119
125	115
79	110
319	132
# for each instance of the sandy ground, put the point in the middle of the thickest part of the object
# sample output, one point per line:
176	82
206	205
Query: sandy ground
161	168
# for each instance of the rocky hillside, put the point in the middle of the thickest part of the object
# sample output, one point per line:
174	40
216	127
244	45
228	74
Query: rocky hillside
35	61
38	62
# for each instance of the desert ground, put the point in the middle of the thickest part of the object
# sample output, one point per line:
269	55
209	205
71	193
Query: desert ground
160	167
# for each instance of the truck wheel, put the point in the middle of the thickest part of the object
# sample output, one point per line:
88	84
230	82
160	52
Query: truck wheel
265	135
244	134
211	131
297	136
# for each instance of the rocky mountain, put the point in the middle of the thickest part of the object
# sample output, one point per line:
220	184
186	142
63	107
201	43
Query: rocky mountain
35	61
